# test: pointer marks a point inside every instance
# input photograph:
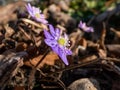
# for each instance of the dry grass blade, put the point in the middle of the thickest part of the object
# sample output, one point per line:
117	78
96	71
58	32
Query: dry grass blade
34	23
23	31
102	40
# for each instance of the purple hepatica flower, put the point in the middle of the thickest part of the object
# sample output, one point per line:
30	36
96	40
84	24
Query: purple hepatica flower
35	13
85	28
58	43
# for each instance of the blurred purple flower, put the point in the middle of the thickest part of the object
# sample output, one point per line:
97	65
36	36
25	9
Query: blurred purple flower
85	28
35	13
58	42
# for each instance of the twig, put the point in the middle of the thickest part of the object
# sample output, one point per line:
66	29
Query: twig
111	66
33	23
21	29
32	73
111	59
74	66
102	40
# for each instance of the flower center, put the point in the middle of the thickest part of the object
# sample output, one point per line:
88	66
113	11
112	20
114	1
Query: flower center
62	41
37	15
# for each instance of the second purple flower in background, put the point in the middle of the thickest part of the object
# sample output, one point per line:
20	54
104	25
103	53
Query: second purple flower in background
36	14
85	28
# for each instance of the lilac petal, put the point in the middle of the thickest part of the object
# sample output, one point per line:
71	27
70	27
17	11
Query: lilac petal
80	24
91	29
84	25
52	31
47	34
42	16
42	20
51	43
68	52
62	55
56	49
66	36
57	32
29	9
36	10
28	6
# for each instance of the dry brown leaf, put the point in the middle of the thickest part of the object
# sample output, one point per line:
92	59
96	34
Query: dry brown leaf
49	60
1	37
9	31
21	46
114	50
102	53
88	59
117	36
75	38
83	43
19	88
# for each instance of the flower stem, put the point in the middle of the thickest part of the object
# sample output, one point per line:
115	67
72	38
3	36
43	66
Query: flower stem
42	58
33	71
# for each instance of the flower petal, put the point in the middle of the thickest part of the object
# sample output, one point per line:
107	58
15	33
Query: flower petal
62	55
29	9
51	43
84	27
47	34
33	11
57	31
36	10
66	36
91	29
52	31
56	49
68	52
28	6
42	20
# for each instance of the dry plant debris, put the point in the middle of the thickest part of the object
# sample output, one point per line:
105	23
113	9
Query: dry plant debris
69	54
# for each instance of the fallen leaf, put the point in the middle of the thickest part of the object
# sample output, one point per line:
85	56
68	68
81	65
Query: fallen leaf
19	88
49	60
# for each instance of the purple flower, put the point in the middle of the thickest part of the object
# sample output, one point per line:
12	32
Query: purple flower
58	42
85	28
35	13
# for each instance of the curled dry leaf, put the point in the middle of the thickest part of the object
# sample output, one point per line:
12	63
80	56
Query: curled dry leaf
74	38
9	31
117	36
49	60
113	50
102	53
83	43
